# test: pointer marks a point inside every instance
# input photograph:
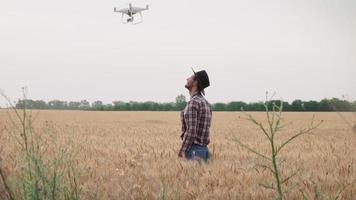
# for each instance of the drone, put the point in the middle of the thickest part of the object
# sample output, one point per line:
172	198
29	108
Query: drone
130	12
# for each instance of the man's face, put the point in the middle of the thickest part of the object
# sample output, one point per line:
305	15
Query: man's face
191	82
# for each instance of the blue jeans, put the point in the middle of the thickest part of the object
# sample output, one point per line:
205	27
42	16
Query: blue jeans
198	152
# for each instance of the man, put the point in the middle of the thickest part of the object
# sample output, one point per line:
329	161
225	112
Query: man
196	119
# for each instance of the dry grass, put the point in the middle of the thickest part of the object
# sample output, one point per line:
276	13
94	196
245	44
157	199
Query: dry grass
130	155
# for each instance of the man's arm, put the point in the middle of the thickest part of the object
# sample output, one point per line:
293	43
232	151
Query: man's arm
191	127
184	127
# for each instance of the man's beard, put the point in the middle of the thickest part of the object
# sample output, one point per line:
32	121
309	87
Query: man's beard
187	86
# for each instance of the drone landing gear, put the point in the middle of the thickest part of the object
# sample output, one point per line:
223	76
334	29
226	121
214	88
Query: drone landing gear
141	19
126	20
131	19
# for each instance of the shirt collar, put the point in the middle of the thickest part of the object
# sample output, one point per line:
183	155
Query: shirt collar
196	93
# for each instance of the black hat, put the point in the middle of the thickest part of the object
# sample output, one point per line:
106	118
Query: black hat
203	79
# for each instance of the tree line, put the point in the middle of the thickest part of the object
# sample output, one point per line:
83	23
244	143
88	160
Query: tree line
333	104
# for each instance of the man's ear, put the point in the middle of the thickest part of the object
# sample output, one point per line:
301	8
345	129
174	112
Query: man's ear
196	82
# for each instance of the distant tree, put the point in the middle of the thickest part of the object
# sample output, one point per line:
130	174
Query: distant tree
108	107
84	105
127	106
57	104
168	106
236	106
286	106
20	104
40	104
148	105
257	106
119	105
333	104
97	105
73	105
324	105
340	105
155	106
180	102
297	105
311	106
219	107
134	105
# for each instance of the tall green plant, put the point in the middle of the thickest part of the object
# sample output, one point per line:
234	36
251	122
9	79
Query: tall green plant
42	176
270	132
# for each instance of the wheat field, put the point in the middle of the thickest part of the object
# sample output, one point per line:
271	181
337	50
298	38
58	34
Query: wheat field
133	155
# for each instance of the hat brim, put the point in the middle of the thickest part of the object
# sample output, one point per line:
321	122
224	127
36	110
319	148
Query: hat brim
193	71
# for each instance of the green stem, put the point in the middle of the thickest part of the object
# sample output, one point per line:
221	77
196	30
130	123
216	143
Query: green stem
276	172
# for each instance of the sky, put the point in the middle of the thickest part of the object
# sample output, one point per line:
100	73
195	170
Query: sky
74	49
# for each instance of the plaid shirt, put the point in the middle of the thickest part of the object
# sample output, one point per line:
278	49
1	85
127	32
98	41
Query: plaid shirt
196	121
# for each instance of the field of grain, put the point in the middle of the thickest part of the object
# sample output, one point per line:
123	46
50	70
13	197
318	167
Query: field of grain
133	155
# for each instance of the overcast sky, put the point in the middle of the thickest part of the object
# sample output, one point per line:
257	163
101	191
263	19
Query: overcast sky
79	49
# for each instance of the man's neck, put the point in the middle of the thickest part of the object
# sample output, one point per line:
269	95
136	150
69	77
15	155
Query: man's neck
193	92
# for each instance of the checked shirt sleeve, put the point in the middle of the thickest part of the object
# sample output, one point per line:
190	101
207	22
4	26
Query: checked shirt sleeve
191	120
184	128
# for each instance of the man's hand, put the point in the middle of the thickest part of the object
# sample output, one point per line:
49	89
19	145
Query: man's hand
181	154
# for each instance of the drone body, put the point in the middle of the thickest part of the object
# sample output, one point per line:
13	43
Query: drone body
130	12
